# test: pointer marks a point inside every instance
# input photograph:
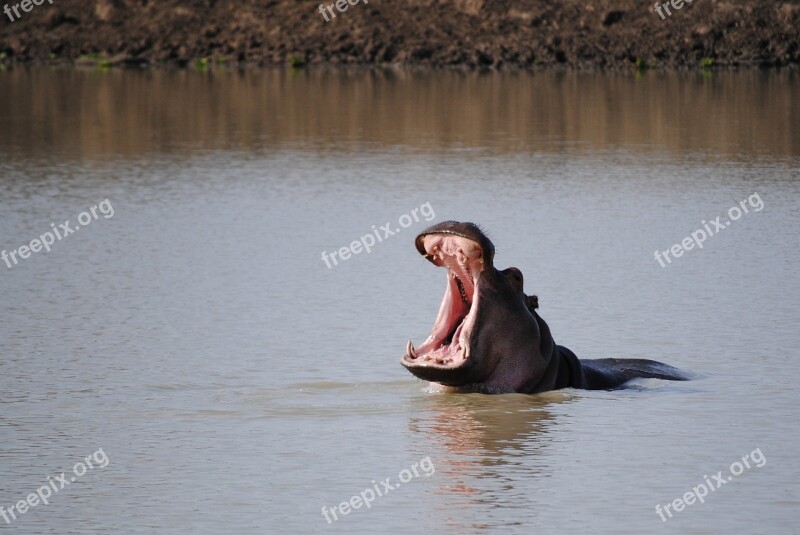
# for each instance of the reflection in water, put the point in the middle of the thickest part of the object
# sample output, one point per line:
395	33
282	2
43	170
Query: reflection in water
131	113
497	426
489	440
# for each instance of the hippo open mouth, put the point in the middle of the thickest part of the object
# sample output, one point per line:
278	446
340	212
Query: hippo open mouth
447	343
462	250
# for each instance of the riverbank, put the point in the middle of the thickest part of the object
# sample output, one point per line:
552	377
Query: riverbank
469	33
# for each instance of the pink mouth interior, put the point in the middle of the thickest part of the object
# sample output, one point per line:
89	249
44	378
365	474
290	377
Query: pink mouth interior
447	343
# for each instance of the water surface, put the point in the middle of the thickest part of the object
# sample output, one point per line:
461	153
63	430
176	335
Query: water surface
238	384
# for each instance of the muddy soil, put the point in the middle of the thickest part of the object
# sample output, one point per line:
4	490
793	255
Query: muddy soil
472	33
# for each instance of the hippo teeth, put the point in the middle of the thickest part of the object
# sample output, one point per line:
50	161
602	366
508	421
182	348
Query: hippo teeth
410	350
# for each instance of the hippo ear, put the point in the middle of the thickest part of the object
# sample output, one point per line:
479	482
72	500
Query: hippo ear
532	302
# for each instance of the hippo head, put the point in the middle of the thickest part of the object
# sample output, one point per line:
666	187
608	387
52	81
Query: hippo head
486	334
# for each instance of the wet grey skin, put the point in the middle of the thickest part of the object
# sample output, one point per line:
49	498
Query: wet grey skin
489	337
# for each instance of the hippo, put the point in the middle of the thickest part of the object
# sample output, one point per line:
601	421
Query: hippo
488	336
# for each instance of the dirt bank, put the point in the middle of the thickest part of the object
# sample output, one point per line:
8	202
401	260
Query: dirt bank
472	33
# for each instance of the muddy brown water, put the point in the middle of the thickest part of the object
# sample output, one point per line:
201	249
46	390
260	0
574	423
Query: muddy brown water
235	382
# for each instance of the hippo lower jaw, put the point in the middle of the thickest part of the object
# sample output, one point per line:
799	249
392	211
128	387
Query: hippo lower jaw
446	351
